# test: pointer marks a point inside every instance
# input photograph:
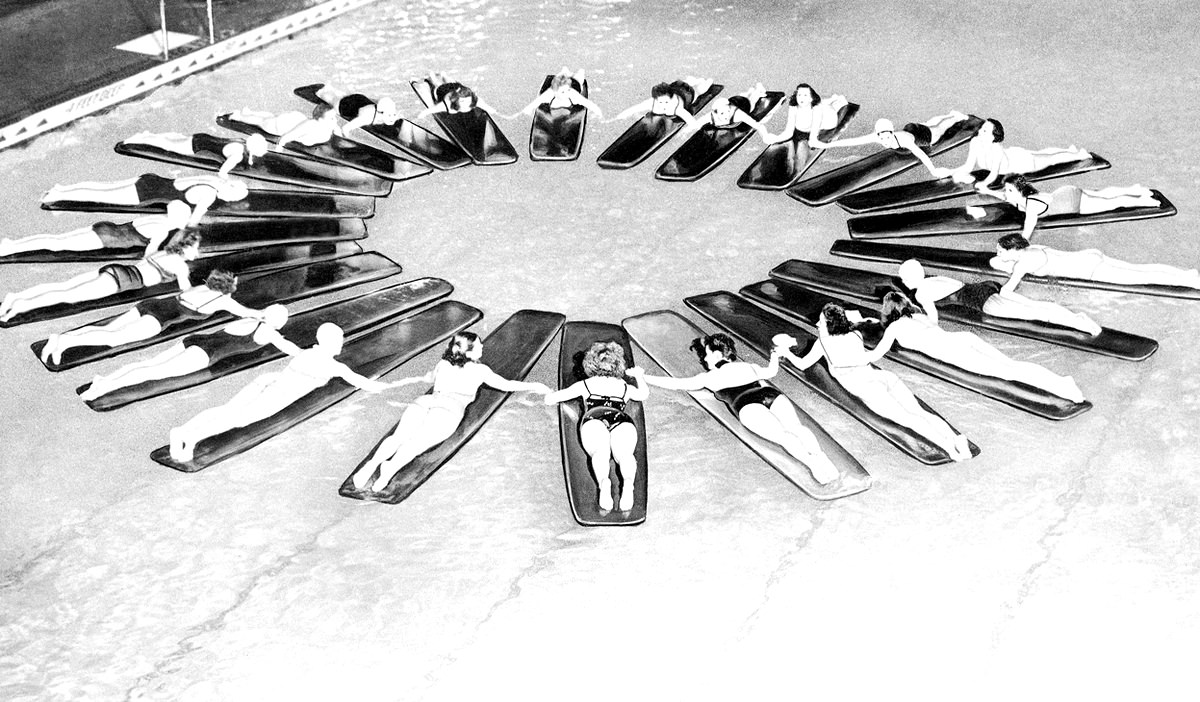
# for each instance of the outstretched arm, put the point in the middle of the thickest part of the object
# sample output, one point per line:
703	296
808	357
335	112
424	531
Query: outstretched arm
923	157
753	124
884	345
495	380
853	141
568	393
431	110
579	99
277	340
361	381
696	382
200	198
788	130
815	352
641	108
541	99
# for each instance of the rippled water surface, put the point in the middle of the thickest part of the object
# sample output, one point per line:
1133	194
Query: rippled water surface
1064	558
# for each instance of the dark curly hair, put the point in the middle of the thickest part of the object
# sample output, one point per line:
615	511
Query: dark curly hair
997	130
816	99
456	350
897	305
719	342
836	322
605	358
222	281
1021	183
183	238
1013	241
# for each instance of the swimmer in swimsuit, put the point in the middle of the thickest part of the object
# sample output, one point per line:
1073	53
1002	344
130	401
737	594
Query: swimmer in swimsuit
809	115
914	330
231	152
198	191
295	126
849	361
149	232
273	392
358	110
914	138
605	429
759	407
200	351
169	264
986	153
1068	200
562	94
730	112
674	99
434	416
149	318
1017	257
442	95
987	297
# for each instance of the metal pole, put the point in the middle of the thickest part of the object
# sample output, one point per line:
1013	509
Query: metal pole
211	32
162	13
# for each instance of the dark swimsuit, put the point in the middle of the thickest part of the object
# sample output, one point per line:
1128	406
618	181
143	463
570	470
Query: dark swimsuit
220	345
685	92
919	132
154	188
208	145
170	311
119	236
738	397
349	106
603	408
970	295
129	277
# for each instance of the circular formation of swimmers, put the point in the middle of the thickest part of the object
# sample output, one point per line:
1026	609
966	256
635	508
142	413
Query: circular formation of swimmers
909	316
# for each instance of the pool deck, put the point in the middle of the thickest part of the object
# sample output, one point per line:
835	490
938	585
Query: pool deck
55	51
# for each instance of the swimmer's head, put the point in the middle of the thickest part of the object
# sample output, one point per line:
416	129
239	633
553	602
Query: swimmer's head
462	98
275	316
912	272
1012	242
604	358
221	281
994	127
711	349
662	95
723	109
897	305
1016	186
833	317
256	145
386	110
561	83
463	347
231	190
805	95
178	214
885	131
186	243
330	336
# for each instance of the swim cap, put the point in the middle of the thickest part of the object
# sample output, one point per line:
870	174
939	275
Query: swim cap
911	269
884	125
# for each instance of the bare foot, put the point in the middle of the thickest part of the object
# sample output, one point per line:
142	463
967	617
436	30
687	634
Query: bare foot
626	498
606	500
180	450
48	349
361	477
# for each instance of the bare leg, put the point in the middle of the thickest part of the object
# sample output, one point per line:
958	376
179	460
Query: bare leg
174	362
939	124
135	328
700	85
623	439
121	192
1108	199
88	286
264	396
1115	271
1026	161
439	423
410	421
887	396
82	239
969	352
780	424
1014	305
594	436
169	141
